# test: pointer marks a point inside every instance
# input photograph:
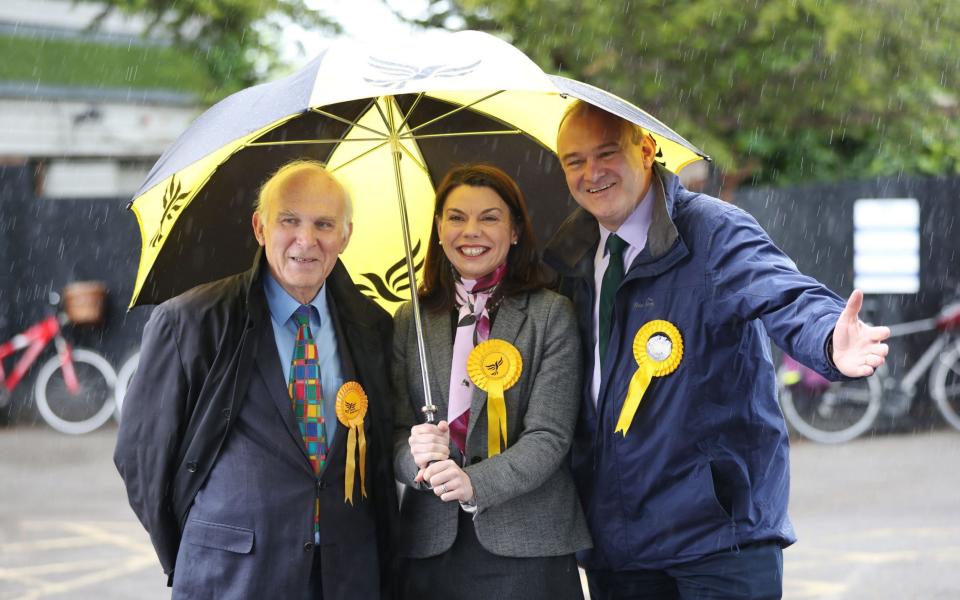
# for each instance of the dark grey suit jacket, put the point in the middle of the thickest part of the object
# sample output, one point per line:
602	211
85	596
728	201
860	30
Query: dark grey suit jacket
213	460
527	505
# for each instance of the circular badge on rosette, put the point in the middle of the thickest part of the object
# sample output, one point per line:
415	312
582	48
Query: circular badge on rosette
494	366
658	349
351	409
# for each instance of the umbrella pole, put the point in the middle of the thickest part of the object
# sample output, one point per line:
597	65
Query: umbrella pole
429	409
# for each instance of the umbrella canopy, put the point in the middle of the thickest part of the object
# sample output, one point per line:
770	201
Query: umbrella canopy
389	121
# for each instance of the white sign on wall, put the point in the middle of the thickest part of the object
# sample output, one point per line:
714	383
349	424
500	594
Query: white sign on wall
886	245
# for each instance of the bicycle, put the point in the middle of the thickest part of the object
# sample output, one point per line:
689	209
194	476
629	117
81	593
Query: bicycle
74	388
836	412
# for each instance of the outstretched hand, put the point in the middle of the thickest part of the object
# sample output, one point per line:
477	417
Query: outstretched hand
858	348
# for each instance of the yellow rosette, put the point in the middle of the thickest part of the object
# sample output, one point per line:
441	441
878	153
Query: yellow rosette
657	348
494	366
351	409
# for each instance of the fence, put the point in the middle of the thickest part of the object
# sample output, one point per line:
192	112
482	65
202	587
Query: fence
45	244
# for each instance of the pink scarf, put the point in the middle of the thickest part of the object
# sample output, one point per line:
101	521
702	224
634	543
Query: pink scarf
473	327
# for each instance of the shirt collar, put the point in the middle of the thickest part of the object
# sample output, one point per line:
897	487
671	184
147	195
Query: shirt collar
283	305
634	229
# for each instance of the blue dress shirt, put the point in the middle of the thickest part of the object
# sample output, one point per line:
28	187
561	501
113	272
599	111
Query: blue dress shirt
282	307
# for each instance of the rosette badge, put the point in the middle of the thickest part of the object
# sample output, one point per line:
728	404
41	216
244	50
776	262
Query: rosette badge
494	366
658	349
351	409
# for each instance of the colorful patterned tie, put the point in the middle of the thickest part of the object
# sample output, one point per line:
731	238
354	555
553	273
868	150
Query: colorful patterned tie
306	397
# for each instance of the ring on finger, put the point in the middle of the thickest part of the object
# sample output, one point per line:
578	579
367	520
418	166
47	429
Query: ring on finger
443	488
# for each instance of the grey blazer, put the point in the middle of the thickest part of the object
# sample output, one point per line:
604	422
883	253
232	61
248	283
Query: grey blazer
527	504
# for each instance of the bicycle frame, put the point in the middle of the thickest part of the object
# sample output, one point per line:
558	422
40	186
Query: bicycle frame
947	322
35	339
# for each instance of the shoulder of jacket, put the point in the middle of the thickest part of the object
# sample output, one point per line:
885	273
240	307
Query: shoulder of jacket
547	297
403	313
699	208
202	302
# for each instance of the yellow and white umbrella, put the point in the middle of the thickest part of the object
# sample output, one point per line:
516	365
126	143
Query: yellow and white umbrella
389	121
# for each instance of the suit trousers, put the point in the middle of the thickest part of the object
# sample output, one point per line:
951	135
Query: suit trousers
753	572
468	571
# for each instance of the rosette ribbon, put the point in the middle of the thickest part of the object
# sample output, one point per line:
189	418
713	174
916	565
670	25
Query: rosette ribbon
494	366
351	409
657	348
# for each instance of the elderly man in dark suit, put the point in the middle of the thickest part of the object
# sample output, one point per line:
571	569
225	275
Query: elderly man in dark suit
234	441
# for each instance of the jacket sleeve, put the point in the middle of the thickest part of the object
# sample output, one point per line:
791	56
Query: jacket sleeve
549	419
149	435
404	417
753	279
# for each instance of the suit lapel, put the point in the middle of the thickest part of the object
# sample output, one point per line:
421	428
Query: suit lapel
268	366
350	342
506	326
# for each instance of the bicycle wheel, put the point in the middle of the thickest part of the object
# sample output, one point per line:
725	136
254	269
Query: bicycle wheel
835	414
77	413
945	384
124	376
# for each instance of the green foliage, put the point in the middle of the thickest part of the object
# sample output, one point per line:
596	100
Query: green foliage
72	62
788	90
237	41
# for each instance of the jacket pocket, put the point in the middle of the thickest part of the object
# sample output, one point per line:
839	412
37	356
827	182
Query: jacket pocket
221	537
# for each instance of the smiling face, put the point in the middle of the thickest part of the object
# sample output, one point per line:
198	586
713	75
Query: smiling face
303	228
475	230
608	175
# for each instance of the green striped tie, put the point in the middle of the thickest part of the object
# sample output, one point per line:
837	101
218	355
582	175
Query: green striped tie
608	290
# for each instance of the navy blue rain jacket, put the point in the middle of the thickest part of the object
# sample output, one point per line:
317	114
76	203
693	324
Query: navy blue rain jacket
704	466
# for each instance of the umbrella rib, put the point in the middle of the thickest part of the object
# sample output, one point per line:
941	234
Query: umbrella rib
322	141
422	166
383	117
456	110
413	107
361	155
461	133
330	115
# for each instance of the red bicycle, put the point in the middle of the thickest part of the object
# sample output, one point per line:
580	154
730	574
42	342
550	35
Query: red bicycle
74	389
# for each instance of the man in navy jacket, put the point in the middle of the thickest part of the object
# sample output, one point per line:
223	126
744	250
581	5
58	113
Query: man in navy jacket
681	452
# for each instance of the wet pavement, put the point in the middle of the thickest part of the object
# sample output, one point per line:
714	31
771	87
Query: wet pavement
877	518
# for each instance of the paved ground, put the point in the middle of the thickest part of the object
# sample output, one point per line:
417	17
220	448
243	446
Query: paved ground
878	518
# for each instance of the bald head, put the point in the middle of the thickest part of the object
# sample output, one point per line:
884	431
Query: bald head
630	132
303	222
303	174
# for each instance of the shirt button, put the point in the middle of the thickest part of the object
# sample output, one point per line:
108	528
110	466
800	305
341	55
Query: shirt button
226	413
308	547
192	467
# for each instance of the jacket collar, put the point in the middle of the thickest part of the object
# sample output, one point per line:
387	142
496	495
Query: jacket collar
344	294
578	236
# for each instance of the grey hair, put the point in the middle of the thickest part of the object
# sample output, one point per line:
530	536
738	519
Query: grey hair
629	131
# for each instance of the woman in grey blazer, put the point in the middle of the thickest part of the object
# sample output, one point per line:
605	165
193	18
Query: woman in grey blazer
483	517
